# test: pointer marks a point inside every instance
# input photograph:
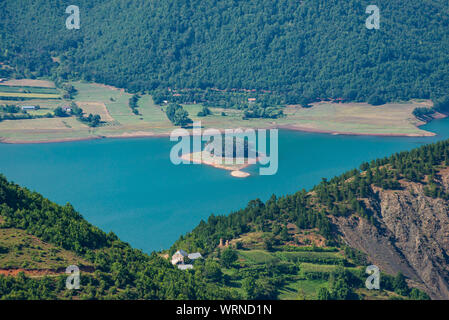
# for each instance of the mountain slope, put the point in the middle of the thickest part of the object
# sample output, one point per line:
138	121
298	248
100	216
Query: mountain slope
412	235
313	48
395	210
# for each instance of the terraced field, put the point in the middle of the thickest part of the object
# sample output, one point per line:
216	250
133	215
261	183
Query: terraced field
305	269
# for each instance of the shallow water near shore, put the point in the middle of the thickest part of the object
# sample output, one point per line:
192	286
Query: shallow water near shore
130	187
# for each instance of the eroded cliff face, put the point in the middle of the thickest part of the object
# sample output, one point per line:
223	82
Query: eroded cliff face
412	235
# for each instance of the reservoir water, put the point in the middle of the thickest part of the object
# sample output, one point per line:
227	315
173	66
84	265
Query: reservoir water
130	187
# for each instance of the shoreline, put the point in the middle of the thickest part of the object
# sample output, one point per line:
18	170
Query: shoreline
347	133
235	169
281	127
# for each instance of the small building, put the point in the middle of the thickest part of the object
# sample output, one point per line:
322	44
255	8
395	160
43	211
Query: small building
28	107
67	108
185	266
252	100
194	256
179	257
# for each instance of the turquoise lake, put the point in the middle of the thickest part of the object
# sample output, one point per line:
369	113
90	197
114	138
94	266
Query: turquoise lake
130	187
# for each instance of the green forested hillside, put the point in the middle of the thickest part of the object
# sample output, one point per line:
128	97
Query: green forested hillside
119	271
310	48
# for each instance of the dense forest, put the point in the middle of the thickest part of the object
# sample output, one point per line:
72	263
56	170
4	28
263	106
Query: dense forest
298	49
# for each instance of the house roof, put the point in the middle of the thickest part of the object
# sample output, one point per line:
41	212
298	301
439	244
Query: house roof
182	252
194	256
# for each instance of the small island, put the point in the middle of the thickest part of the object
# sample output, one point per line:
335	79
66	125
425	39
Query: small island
228	159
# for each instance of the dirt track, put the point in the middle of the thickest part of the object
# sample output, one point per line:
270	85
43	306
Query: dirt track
40	272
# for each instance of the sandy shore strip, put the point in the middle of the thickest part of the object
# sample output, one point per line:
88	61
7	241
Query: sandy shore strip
240	174
205	158
347	133
126	135
58	140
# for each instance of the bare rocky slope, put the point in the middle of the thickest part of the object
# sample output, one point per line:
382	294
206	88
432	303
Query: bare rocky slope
411	236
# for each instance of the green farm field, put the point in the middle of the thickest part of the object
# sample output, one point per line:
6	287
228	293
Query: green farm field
309	278
302	289
29	95
16	89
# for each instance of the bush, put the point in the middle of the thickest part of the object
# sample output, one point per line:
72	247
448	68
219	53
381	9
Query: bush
177	115
3	250
60	113
228	257
204	112
376	100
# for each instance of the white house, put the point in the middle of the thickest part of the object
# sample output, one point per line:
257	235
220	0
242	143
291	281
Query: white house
179	257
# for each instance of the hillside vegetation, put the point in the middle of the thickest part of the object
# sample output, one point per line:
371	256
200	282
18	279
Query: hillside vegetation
301	49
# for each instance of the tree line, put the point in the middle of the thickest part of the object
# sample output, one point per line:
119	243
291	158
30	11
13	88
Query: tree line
299	50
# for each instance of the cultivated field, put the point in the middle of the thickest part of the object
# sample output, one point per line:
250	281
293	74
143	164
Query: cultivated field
96	108
28	89
28	83
29	95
